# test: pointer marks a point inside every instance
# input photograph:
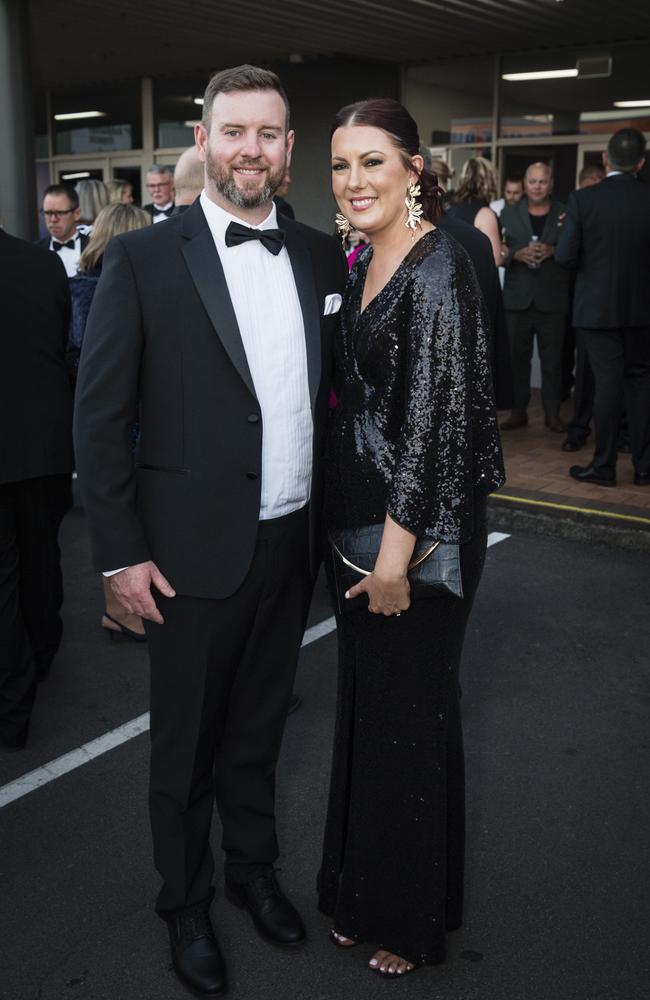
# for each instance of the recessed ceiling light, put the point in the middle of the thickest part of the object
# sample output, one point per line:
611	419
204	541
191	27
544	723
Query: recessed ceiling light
191	124
541	74
198	100
80	114
632	104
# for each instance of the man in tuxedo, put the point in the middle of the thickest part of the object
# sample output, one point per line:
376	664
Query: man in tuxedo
218	327
607	239
160	185
35	472
536	295
61	213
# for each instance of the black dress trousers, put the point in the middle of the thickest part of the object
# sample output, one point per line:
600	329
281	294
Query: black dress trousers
31	590
620	361
222	674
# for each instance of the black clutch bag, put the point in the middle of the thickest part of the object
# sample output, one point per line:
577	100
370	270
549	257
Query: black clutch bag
434	570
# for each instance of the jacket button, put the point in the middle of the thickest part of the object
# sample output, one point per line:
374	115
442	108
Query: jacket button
251	475
253	418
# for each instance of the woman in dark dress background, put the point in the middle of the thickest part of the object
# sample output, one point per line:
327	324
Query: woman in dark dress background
414	446
471	201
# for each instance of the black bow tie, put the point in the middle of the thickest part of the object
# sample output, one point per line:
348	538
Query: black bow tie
272	239
60	246
162	211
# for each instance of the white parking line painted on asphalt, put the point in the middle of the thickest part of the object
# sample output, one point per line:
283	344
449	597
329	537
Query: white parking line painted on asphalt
82	755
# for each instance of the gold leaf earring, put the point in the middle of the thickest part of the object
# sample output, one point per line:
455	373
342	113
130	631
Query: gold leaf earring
413	208
344	228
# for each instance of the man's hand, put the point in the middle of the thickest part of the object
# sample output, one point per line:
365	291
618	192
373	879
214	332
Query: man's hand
544	251
132	587
527	255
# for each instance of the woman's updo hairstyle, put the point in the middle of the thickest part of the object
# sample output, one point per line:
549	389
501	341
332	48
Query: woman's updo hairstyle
393	118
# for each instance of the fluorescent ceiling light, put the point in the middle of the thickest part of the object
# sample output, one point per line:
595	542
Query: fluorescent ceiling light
191	124
198	100
632	104
75	177
541	74
80	114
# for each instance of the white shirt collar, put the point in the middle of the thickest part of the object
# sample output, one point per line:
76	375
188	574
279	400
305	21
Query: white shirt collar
219	220
75	236
163	208
613	173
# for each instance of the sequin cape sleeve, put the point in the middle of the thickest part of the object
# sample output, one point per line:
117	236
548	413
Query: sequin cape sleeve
449	444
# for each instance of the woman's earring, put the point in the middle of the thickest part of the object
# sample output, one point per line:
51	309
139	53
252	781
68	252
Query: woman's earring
344	228
413	207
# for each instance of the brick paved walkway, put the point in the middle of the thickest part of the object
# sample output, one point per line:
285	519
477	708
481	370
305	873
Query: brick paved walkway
537	470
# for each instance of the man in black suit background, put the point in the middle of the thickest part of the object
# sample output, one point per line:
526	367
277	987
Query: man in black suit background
221	334
61	213
535	294
35	472
606	238
160	185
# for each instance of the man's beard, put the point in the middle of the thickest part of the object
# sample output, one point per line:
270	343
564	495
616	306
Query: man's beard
224	182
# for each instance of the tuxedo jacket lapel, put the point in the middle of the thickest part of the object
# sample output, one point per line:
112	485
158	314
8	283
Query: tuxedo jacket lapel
303	273
207	274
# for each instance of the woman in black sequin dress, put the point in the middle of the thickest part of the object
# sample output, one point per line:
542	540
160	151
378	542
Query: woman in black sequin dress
414	446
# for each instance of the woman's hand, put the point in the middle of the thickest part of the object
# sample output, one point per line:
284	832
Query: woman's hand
387	595
388	590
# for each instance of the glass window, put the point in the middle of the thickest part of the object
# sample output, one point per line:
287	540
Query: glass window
115	123
176	110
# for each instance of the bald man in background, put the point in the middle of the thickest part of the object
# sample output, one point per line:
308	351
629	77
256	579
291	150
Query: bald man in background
536	295
188	180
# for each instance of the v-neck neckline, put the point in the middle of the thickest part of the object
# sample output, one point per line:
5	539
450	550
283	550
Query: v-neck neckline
362	284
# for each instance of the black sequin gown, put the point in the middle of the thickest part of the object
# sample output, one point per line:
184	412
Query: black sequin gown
414	433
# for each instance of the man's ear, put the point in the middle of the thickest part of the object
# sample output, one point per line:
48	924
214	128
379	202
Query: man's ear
201	139
291	138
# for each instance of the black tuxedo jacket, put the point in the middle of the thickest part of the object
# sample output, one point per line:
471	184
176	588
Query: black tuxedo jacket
35	395
606	236
162	345
83	242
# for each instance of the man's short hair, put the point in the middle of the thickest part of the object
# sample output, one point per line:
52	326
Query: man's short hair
241	78
513	180
625	148
161	168
67	190
591	170
539	163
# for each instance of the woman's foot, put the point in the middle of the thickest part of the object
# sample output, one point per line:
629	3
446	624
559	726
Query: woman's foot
341	940
385	963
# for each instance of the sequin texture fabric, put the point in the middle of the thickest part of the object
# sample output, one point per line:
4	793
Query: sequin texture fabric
415	430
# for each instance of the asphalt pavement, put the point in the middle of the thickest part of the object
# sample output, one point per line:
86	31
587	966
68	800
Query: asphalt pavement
555	701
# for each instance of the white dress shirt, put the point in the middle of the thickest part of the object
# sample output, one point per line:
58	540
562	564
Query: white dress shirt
69	257
265	299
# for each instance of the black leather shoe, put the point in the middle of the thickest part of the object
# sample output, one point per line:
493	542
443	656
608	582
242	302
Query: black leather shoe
198	962
275	918
570	445
642	479
587	474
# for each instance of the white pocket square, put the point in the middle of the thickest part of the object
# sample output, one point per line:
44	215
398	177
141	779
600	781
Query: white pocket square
332	304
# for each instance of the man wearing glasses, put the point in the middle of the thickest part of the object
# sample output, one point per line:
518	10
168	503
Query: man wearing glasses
160	185
61	213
